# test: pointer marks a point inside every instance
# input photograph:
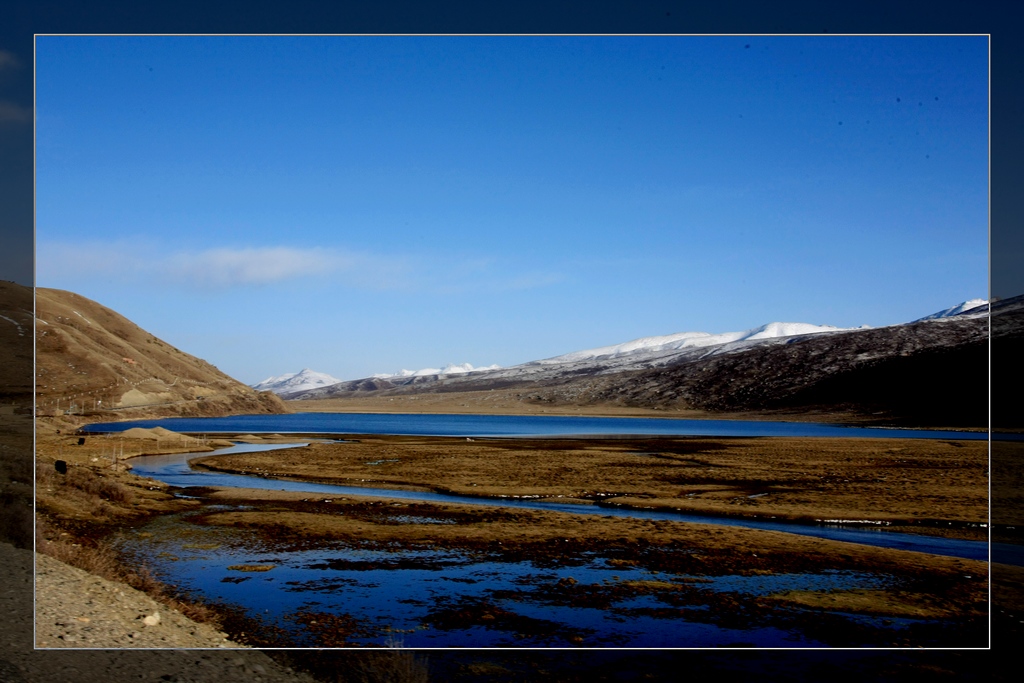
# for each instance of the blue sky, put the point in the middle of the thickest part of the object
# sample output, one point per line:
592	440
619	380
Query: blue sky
366	204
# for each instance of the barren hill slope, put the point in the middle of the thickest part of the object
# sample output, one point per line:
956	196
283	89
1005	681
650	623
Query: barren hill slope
90	359
16	341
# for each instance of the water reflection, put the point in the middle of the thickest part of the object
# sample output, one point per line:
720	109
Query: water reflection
357	594
344	595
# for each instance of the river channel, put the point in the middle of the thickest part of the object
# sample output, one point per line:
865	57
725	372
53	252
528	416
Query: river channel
345	595
175	470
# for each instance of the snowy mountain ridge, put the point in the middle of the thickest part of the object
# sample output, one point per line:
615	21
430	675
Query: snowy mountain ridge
642	352
303	380
686	340
450	369
970	307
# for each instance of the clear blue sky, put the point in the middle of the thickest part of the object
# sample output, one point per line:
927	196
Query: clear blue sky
365	204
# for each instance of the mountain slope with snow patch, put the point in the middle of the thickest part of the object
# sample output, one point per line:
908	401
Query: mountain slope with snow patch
450	369
304	380
687	340
970	307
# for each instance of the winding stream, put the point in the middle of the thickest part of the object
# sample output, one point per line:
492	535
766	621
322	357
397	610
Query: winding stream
175	470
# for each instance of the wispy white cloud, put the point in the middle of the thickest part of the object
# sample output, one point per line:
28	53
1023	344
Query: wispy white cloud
217	268
147	263
226	267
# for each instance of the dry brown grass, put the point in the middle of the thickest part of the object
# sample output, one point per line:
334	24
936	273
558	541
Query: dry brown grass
83	480
896	480
878	602
83	494
347	666
76	510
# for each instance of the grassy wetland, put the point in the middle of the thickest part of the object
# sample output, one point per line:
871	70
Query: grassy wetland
512	577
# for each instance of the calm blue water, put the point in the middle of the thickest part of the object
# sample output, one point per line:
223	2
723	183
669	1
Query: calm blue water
511	426
401	603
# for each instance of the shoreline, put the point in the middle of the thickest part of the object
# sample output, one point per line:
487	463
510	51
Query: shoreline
431	404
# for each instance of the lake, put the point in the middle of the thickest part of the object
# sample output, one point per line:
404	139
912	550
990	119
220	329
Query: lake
513	426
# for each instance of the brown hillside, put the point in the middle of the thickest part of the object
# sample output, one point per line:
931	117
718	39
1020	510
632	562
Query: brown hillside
93	361
16	342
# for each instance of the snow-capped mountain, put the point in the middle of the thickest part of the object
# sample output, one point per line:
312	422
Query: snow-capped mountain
928	372
971	306
450	369
641	354
638	354
304	380
691	340
687	340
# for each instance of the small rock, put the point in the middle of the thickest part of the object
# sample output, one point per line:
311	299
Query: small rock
152	620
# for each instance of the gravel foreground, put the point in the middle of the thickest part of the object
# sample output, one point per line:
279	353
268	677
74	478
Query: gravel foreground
78	610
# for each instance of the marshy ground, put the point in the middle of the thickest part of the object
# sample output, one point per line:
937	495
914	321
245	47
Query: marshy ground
913	599
675	573
938	487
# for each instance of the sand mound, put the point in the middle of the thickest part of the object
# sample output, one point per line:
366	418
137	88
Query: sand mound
138	433
152	433
168	434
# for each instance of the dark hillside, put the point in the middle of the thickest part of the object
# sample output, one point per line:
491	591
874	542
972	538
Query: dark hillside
930	373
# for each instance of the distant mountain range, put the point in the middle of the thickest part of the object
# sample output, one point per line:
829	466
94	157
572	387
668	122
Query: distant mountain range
933	371
931	368
450	369
303	383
